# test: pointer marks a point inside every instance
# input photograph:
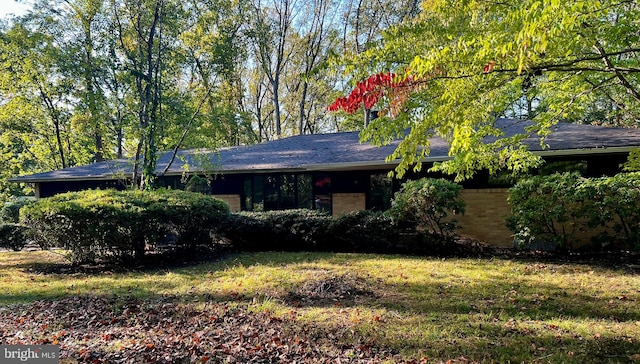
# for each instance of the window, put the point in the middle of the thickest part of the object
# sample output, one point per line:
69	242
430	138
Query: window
381	188
322	192
277	192
305	192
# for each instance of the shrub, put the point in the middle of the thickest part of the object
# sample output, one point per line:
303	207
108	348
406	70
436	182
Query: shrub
13	236
198	184
556	208
427	203
612	205
376	232
546	208
193	217
310	230
289	230
10	212
122	225
362	231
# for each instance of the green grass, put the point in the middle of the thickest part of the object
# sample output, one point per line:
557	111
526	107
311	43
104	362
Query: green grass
482	310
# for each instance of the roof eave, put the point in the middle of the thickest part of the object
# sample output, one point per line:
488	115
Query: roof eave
68	179
584	151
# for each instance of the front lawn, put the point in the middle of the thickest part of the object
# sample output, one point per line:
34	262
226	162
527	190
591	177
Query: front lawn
319	307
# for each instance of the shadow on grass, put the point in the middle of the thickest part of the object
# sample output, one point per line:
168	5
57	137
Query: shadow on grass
513	297
535	302
496	341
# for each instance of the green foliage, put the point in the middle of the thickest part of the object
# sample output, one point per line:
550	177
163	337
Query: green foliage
474	61
427	203
377	232
198	184
10	212
122	225
13	236
291	230
83	80
418	223
557	207
612	205
363	231
311	230
546	208
633	161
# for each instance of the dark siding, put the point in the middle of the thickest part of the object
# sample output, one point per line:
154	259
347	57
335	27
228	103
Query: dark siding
350	182
48	189
231	184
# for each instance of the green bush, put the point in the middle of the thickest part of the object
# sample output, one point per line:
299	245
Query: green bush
362	231
376	232
123	225
13	236
612	205
546	209
10	212
558	207
427	203
310	230
198	184
289	230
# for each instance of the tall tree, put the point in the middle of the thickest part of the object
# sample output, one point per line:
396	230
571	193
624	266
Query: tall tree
37	94
271	28
139	25
84	31
461	64
316	44
215	47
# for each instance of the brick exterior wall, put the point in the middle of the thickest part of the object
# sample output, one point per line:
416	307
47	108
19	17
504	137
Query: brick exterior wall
232	200
348	202
484	217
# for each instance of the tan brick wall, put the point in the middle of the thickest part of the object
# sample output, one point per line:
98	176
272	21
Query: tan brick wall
348	202
484	217
232	200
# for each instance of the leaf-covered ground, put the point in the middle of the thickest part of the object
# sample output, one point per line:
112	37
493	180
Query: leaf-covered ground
123	330
325	308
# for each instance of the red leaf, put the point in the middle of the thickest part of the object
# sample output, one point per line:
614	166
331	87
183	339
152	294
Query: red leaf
489	66
367	93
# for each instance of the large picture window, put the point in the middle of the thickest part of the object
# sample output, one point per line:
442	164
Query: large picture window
277	192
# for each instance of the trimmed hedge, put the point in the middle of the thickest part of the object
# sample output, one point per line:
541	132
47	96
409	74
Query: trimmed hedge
376	232
123	225
563	207
309	230
289	230
13	236
418	223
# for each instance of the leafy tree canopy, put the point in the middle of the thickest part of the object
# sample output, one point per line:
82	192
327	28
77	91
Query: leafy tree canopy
461	64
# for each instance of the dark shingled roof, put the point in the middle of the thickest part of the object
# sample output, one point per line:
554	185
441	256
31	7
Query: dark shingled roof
340	151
